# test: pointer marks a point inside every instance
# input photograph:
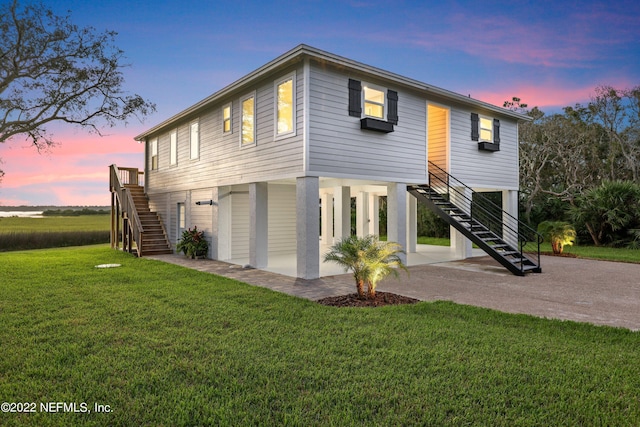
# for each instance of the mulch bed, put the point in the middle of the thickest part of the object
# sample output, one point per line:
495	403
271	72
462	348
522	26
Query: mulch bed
382	299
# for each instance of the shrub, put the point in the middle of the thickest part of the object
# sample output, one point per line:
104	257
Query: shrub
193	243
558	233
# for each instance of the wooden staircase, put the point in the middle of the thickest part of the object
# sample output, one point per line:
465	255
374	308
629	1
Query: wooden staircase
155	240
132	221
503	240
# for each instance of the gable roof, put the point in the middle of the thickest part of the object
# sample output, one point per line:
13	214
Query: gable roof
301	51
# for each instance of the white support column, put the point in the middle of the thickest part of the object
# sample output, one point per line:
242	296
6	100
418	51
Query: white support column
412	224
510	206
224	223
397	215
374	215
258	225
327	218
342	212
215	229
461	197
362	213
307	233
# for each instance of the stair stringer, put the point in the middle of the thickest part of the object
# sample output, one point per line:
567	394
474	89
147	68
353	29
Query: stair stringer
508	256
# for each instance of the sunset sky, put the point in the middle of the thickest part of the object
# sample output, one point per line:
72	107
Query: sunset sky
549	53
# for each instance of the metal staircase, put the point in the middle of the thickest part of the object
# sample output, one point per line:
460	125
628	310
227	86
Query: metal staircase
132	221
498	233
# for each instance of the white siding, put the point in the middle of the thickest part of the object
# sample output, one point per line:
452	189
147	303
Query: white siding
337	145
240	223
222	161
483	169
282	218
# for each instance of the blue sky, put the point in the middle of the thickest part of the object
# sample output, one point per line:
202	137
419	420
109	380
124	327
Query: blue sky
550	53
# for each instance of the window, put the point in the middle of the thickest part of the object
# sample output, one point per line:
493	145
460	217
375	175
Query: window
194	140
181	220
285	106
374	104
248	136
486	131
226	118
154	154
173	147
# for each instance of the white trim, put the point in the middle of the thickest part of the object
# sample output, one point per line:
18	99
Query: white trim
291	76
305	115
173	147
242	101
384	104
230	106
197	142
154	154
490	119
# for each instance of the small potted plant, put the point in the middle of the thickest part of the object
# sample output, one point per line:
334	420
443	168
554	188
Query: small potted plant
193	244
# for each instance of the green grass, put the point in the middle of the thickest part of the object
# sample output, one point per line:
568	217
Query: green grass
48	232
167	346
595	252
55	224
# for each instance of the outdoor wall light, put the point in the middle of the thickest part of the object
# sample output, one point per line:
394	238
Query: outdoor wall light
205	202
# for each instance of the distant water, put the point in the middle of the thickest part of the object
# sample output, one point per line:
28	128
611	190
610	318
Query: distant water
21	214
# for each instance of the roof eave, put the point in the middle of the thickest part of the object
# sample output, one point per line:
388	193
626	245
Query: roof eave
303	49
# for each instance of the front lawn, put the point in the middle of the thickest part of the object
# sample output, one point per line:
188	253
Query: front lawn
164	345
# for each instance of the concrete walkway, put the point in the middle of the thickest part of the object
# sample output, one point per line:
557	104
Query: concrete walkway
598	292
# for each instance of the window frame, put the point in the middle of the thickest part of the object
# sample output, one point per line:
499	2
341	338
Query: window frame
243	99
385	101
173	147
195	143
276	110
154	154
488	119
229	119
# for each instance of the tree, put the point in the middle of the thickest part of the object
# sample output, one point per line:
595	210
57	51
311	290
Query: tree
54	71
369	259
558	233
609	212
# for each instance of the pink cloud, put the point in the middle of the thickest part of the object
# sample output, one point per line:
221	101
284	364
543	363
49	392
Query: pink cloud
75	172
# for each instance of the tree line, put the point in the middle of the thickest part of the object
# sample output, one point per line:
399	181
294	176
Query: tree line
582	166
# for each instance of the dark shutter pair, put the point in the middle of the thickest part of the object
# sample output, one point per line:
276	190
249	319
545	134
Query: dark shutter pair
355	102
475	134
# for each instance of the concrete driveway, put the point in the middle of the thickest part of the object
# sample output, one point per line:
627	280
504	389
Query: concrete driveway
598	292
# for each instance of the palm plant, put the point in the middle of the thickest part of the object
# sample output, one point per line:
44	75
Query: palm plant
368	258
558	233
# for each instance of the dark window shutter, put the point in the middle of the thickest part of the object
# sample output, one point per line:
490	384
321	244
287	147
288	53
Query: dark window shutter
475	127
496	131
392	107
355	98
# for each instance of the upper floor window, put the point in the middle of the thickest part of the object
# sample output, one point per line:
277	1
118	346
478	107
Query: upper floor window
285	106
376	107
226	118
486	129
374	101
173	147
154	154
194	140
248	134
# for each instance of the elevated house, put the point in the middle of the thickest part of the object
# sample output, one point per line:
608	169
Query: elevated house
268	167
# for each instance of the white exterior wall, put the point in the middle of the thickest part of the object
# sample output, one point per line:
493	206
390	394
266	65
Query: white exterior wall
222	161
483	169
282	218
339	148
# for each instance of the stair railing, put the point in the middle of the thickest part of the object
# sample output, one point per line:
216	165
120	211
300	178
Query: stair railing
118	178
483	210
